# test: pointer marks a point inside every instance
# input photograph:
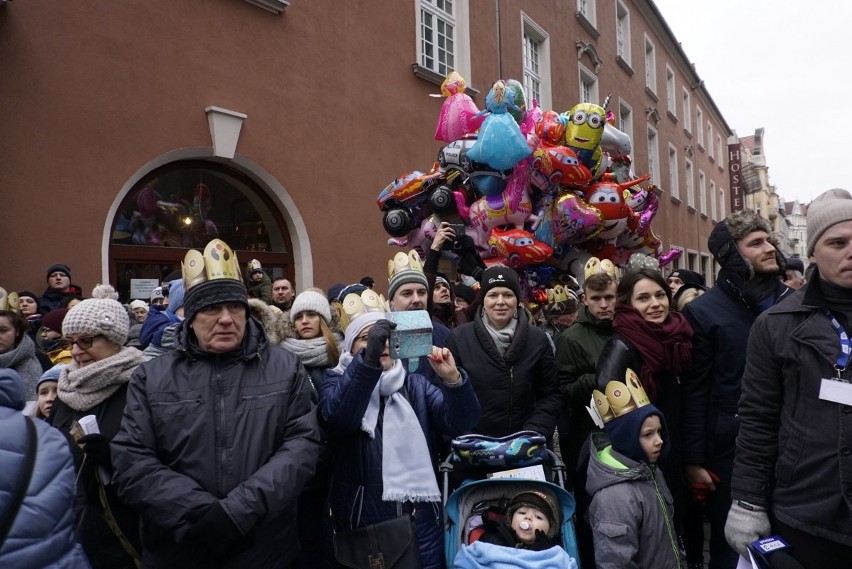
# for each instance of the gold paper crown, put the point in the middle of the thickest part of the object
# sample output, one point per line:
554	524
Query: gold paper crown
252	265
355	305
218	262
619	399
402	262
8	301
561	293
595	266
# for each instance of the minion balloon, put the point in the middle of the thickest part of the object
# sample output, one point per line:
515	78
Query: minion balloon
583	134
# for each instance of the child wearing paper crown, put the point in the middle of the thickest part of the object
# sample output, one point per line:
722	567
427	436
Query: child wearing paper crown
528	537
631	510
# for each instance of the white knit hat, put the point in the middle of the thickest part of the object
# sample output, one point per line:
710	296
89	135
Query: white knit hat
829	208
101	315
312	301
138	304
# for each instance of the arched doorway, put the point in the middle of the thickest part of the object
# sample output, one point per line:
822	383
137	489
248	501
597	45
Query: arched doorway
182	205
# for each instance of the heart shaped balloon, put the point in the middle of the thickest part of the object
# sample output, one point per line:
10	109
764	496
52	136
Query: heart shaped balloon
575	221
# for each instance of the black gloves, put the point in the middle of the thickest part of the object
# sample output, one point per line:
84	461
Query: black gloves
542	542
377	337
96	449
215	530
470	263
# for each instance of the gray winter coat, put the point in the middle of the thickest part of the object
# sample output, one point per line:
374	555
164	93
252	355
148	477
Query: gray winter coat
794	452
631	512
238	428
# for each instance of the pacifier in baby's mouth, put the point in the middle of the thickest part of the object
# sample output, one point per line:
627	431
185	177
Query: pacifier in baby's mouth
525	525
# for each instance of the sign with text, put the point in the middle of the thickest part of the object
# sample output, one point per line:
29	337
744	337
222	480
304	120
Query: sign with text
141	288
735	177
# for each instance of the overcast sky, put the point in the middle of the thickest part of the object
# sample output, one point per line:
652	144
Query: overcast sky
784	66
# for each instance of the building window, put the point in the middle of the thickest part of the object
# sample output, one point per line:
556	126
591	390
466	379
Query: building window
690	188
679	260
673	181
650	66
710	140
722	211
438	36
183	205
713	211
588	86
720	155
587	9
699	126
625	118
692	261
702	192
622	31
686	112
536	63
705	267
671	103
653	156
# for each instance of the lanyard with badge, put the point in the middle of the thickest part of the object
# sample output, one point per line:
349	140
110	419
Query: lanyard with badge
837	389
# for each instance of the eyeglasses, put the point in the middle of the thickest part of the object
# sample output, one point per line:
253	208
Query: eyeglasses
84	342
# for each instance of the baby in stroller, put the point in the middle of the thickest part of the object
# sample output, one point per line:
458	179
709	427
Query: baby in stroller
527	536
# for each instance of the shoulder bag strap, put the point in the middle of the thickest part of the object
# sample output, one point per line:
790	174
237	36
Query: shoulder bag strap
23	483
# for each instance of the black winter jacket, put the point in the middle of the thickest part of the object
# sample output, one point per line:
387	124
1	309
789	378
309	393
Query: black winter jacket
518	391
238	428
794	450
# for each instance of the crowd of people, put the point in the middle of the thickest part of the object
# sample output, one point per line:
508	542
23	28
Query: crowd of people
229	421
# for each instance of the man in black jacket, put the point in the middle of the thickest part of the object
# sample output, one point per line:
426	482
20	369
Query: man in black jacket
794	455
219	436
721	319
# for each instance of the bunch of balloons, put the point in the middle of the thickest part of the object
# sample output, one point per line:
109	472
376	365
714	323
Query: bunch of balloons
533	188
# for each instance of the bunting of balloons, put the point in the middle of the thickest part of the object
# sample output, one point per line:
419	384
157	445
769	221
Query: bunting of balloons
534	188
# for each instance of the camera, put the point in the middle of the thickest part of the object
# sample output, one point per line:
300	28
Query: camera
455	244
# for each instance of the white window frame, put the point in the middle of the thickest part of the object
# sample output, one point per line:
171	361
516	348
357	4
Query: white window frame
702	192
588	9
713	212
625	118
531	31
671	102
710	149
706	266
622	31
586	75
676	264
653	155
720	154
650	65
699	126
692	257
686	111
689	174
673	172
460	20
722	213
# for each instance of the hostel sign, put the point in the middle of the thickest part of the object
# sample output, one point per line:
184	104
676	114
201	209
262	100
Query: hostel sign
735	177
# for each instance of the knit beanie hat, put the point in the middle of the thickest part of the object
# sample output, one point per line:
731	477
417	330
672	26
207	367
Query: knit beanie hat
500	275
334	291
829	208
53	319
311	300
540	501
405	269
58	268
689	277
156	293
465	292
793	264
208	293
28	294
50	375
357	325
623	433
176	294
356	288
101	315
139	304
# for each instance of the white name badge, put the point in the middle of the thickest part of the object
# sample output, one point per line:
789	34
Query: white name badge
837	391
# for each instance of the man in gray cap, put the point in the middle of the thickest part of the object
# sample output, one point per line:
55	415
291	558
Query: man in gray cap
794	450
721	319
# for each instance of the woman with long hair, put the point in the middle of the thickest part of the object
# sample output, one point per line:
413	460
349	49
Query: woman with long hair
18	351
656	343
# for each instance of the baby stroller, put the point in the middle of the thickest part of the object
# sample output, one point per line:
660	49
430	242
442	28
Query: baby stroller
477	455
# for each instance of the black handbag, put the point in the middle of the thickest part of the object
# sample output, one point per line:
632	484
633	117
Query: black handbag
391	544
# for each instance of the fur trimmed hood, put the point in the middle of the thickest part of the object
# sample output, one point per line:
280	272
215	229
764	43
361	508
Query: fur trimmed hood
270	317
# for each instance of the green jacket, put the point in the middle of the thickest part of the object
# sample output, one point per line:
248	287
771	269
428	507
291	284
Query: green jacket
577	352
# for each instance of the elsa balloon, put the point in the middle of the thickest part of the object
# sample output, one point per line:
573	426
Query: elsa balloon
500	144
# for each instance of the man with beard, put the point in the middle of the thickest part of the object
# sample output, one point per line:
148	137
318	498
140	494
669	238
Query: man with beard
747	285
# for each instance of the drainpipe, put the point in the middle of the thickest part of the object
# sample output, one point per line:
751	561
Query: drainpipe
499	60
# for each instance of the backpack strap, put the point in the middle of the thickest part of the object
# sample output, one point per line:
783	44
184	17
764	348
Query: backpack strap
23	483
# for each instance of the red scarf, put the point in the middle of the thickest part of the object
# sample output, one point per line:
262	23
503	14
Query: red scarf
665	348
